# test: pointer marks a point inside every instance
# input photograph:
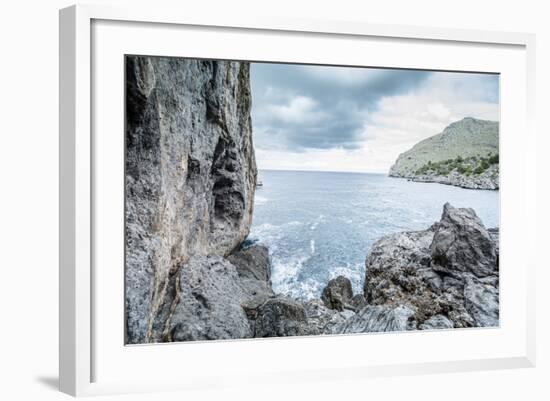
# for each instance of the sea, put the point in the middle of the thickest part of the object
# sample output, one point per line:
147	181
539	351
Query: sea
318	225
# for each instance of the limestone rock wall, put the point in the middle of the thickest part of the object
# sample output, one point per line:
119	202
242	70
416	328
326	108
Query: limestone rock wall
190	177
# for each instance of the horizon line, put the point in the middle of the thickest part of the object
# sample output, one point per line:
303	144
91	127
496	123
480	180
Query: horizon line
323	171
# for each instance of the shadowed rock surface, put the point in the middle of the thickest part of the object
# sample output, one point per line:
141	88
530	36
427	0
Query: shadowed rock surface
190	176
252	262
277	316
462	243
338	293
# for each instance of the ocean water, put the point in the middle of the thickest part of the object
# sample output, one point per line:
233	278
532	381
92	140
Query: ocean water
319	225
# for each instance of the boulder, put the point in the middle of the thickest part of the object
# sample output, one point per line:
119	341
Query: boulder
461	243
208	302
277	316
338	293
252	262
447	275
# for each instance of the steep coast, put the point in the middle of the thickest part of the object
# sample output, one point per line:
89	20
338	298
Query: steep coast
465	154
190	274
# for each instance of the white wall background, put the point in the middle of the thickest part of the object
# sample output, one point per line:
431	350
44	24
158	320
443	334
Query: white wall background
29	187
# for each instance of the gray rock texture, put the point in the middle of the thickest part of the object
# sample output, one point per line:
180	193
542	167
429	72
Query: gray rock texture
207	304
377	318
462	243
436	322
447	275
323	320
190	176
252	262
277	316
338	293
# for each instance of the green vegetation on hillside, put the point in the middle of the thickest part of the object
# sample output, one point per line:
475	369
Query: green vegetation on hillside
466	138
474	165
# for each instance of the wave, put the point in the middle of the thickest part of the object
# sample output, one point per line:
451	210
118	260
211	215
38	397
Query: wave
319	219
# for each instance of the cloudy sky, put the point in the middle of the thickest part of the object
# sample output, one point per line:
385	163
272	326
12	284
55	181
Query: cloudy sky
357	119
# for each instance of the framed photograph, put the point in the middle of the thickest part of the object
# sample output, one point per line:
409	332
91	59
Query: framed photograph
269	198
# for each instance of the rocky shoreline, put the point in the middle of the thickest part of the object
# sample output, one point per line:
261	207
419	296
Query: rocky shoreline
465	154
190	273
488	180
440	278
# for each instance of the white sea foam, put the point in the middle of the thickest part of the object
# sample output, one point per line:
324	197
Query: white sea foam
284	275
354	273
319	219
309	249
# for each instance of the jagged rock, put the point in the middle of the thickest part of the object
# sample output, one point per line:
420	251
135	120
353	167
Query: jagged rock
377	318
461	243
398	268
449	271
190	176
208	302
481	301
254	268
252	262
278	316
338	293
358	302
436	322
323	320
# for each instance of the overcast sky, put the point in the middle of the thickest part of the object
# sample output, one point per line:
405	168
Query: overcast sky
357	119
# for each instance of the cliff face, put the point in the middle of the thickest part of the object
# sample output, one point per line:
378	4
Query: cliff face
465	154
190	179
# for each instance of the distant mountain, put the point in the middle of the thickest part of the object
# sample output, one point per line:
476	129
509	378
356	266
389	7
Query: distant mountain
465	154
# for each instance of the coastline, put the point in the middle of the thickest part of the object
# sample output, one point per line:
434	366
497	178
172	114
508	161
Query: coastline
455	182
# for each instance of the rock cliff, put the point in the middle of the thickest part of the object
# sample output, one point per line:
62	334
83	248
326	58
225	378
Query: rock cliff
465	154
190	274
190	182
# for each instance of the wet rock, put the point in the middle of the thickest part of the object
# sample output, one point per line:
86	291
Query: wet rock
338	293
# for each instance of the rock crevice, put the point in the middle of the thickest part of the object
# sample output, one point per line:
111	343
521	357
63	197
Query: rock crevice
190	179
190	274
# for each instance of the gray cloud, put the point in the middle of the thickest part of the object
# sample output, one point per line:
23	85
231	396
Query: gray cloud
298	107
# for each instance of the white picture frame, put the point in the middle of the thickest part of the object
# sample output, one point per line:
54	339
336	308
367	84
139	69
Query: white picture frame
85	357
